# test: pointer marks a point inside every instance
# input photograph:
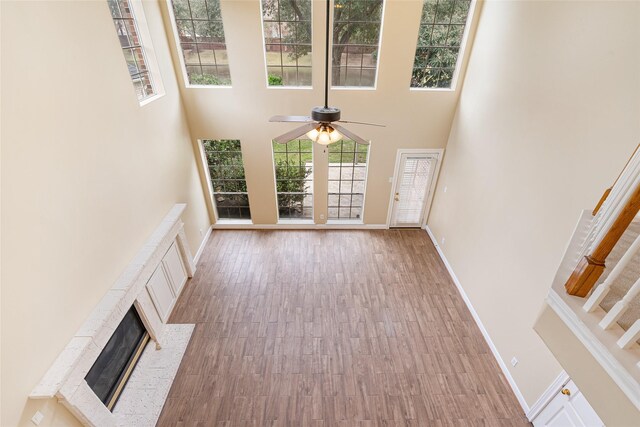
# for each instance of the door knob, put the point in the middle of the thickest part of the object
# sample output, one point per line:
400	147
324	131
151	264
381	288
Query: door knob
566	392
397	199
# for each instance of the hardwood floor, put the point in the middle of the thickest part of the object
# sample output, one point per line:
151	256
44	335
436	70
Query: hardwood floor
332	328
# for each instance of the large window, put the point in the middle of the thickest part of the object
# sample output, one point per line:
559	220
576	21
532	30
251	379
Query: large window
441	30
201	37
130	41
347	179
224	159
356	40
287	41
293	164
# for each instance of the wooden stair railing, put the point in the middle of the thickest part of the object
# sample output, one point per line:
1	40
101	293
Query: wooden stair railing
591	266
608	190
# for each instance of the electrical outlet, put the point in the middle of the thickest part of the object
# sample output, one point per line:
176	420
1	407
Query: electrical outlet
321	216
442	241
391	179
37	418
514	362
201	233
445	189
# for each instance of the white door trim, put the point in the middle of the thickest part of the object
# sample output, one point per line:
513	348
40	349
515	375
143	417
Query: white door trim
546	396
438	152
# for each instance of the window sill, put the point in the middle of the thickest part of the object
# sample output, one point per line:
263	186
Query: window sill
361	88
150	99
290	87
296	221
234	221
190	86
431	89
344	222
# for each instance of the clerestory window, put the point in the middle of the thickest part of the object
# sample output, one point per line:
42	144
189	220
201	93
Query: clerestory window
356	42
286	26
132	47
442	28
202	42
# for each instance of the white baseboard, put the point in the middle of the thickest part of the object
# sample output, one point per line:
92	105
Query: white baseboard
205	239
485	334
547	395
298	226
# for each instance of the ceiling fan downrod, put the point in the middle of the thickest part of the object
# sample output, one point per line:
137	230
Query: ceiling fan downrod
326	114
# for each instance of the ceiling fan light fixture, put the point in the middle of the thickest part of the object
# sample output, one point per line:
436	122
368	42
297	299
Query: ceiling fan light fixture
335	136
324	135
313	133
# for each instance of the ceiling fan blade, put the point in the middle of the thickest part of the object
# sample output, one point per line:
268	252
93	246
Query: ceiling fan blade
362	123
288	119
352	136
293	134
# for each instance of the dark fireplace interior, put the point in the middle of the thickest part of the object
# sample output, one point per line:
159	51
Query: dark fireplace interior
114	365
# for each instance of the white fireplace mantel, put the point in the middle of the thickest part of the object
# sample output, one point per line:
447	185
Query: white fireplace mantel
158	364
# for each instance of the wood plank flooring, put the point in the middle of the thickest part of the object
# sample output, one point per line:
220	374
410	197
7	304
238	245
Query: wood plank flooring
324	328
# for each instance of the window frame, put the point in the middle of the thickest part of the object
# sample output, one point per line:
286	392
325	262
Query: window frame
364	193
211	202
280	220
377	69
146	45
178	49
461	53
264	50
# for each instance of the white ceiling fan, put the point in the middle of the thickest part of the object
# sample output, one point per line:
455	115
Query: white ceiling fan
321	126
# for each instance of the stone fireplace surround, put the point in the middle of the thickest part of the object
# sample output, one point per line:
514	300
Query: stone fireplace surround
146	391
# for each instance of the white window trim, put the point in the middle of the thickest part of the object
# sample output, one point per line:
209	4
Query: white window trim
461	54
183	67
204	164
148	51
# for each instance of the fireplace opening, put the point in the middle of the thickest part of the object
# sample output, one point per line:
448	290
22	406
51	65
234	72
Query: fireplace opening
113	367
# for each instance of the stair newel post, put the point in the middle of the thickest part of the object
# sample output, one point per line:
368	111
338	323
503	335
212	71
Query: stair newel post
590	267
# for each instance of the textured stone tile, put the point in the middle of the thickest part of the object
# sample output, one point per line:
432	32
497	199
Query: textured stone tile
146	391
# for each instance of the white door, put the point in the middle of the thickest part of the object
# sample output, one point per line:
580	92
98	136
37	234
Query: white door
413	182
568	408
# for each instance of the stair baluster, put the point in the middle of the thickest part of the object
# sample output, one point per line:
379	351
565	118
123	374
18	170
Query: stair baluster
601	291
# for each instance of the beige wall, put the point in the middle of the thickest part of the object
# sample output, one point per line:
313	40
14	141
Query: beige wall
549	113
414	119
87	175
